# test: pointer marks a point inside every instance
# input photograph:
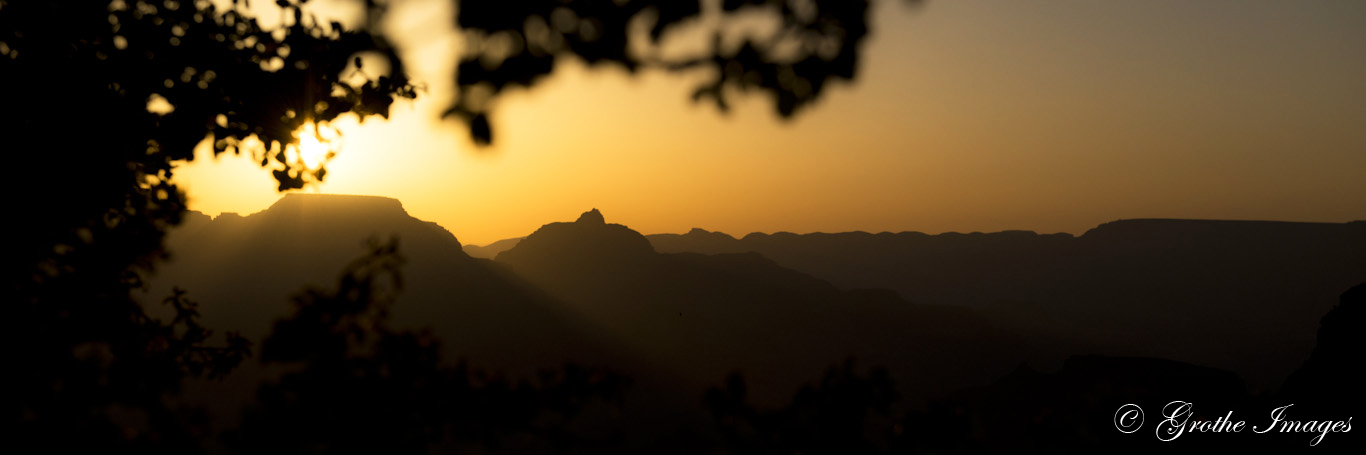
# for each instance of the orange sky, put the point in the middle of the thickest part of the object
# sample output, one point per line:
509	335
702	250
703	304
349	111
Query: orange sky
967	116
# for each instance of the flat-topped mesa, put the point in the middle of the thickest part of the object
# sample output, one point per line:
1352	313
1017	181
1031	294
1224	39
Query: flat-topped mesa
1199	225
352	219
1143	232
377	205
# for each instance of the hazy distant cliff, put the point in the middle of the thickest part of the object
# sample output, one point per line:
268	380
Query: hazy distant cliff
491	250
243	270
585	291
939	309
1244	295
706	315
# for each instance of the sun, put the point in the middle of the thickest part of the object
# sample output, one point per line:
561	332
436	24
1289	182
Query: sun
317	144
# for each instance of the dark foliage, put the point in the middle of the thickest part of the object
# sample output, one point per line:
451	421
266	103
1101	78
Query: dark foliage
98	101
517	44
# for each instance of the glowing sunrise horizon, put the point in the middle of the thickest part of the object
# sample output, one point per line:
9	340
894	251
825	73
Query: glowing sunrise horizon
965	116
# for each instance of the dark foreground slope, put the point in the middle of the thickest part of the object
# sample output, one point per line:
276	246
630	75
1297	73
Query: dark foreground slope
1241	295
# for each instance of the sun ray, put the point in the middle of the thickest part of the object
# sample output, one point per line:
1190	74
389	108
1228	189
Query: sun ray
317	143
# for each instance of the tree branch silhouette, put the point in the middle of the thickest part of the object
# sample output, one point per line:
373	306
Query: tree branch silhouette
99	101
516	45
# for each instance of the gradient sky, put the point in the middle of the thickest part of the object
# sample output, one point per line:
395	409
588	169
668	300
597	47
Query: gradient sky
968	115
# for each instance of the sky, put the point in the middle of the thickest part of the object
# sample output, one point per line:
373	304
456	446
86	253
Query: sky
967	115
